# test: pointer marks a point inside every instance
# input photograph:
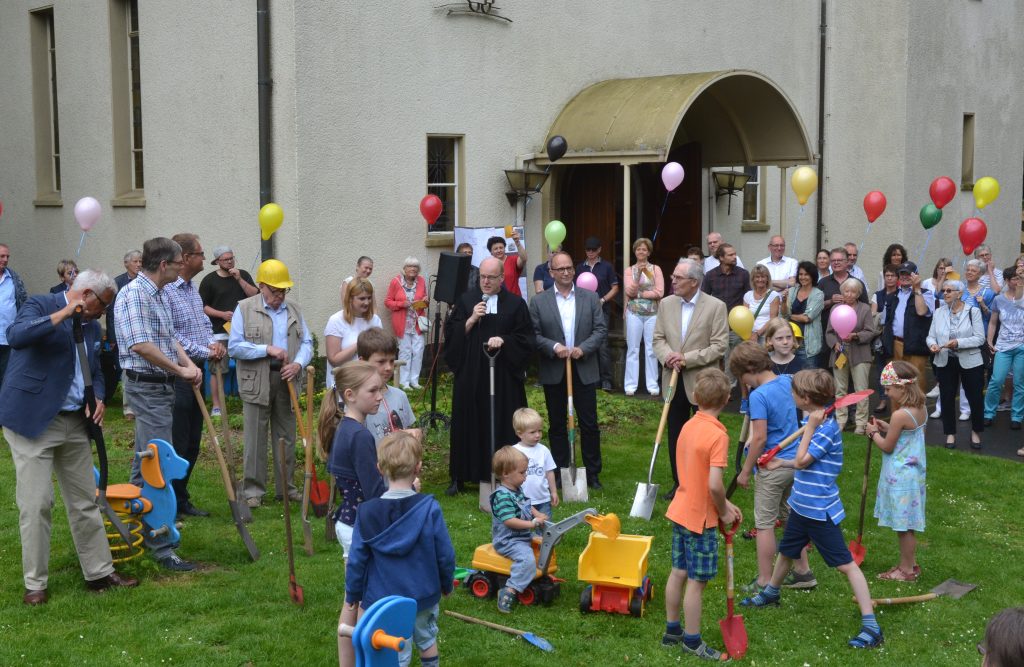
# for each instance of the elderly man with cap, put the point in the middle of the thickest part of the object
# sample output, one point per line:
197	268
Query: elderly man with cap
607	289
152	358
271	345
221	290
43	412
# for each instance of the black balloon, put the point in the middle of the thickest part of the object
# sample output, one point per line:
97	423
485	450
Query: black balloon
556	148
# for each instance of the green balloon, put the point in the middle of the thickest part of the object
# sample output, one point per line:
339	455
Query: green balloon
554	233
930	216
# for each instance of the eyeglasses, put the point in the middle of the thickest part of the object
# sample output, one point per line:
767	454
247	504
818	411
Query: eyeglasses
838	260
776	245
105	304
178	263
277	291
195	254
852	255
949	290
676	278
225	259
486	276
562	269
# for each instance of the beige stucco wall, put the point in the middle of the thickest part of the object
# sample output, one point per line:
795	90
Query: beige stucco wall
358	86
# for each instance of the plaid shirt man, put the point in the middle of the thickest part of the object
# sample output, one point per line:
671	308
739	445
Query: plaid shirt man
192	327
727	287
141	315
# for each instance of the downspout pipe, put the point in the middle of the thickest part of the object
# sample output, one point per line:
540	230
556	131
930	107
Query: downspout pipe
819	227
264	86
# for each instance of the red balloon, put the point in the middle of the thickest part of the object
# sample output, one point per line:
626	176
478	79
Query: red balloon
1	208
972	234
874	205
942	190
430	208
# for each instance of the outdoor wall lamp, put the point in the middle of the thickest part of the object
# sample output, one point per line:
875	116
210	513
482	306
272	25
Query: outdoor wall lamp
729	183
524	182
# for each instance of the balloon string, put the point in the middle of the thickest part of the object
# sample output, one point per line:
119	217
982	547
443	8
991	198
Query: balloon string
252	269
926	241
866	232
661	216
80	244
796	232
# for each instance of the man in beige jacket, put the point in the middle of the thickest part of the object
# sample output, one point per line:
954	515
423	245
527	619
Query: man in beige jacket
691	333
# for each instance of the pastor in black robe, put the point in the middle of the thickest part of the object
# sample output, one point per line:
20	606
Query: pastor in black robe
470	445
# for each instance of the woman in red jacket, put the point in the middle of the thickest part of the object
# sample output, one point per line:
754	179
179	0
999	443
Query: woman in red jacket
407	301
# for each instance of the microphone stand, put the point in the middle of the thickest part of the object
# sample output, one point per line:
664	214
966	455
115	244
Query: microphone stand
433	418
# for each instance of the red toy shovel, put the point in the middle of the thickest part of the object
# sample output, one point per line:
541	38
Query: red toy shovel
842	403
857	549
734	633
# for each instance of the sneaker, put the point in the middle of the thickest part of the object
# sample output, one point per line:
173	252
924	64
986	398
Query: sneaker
295	496
215	412
630	392
506	600
934	393
867	638
254	501
416	385
174	563
859	431
705	652
965	415
936	414
761	600
671	640
753	588
800	581
1005	406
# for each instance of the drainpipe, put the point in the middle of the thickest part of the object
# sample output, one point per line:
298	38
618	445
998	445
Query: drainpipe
820	225
264	84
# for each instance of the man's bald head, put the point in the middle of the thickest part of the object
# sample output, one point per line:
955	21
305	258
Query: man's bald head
491	274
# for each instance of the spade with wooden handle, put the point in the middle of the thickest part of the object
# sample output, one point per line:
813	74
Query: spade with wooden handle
307	448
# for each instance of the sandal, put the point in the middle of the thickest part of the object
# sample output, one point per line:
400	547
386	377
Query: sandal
867	638
899	574
705	652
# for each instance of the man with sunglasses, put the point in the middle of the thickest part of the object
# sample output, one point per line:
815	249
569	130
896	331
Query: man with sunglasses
152	358
271	345
43	412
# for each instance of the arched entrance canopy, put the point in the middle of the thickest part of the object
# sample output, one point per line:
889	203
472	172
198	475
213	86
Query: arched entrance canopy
740	118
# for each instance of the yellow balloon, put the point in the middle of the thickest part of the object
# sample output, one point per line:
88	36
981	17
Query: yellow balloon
804	183
741	320
985	191
271	217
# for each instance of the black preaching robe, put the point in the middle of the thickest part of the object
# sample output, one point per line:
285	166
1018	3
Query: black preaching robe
470	454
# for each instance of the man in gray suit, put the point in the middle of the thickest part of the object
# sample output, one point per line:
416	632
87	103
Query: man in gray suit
570	325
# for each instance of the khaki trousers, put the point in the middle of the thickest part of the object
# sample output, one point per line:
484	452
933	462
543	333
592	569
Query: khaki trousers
279	417
919	361
861	374
62	449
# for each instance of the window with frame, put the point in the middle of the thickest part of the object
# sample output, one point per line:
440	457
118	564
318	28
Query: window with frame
126	90
444	179
752	195
43	47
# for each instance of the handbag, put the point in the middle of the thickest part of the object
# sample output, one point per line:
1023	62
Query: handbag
423	323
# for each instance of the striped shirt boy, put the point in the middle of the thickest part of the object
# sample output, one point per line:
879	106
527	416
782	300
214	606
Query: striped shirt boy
815	493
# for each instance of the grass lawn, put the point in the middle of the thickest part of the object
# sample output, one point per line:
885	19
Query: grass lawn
236	612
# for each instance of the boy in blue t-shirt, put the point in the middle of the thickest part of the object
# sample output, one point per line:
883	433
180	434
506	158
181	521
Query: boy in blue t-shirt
816	508
772	418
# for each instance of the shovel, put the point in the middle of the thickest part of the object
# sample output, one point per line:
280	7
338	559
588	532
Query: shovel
950	588
734	633
738	462
647	493
243	508
485	489
844	402
294	590
229	485
319	492
857	549
539	642
307	527
574	480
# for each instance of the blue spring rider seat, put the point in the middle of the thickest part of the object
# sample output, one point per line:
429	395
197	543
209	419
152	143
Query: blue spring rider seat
382	632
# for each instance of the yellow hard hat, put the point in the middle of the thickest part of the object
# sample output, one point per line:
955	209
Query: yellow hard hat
273	272
796	330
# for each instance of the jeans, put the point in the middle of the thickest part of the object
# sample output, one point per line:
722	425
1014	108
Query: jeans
524	563
1004	361
640	328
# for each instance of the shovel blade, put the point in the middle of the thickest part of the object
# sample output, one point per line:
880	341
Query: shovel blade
954	589
295	592
734	636
250	546
320	494
858	551
643	501
574	487
539	642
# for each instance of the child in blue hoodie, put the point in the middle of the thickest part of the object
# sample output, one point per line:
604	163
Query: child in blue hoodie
400	546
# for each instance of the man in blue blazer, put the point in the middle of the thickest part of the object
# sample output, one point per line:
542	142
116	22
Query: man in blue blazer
43	413
569	324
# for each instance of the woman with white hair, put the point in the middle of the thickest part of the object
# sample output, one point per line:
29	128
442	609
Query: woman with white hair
956	336
856	352
407	301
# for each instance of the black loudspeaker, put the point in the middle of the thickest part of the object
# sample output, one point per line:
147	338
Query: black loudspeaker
452	276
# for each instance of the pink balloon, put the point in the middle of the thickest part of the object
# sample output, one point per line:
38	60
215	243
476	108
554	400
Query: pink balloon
843	319
587	280
87	212
672	175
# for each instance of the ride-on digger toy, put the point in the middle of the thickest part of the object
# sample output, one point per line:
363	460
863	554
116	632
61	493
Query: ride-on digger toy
491	570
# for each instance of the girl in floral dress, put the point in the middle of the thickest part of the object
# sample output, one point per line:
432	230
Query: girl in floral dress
899	503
